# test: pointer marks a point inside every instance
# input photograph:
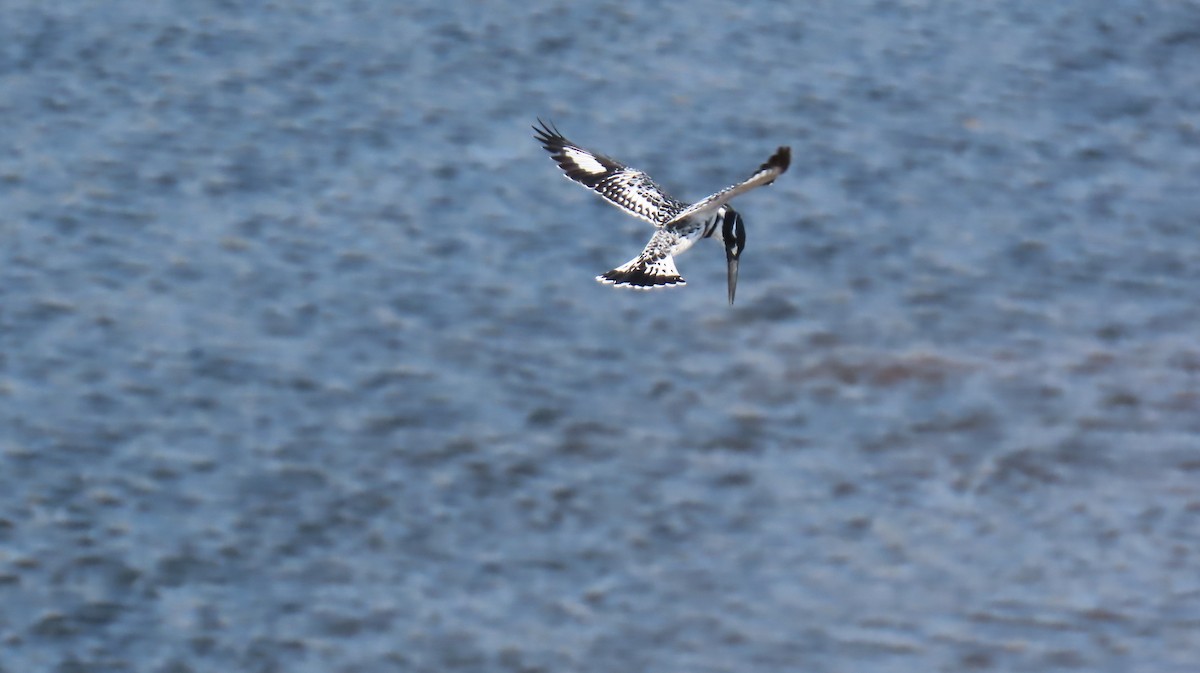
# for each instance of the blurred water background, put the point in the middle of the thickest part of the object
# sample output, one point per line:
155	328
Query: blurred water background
302	366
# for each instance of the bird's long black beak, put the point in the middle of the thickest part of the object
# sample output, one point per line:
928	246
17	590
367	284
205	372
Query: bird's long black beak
733	269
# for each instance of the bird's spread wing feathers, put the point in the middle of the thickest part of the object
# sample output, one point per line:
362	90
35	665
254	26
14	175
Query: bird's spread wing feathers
627	188
765	175
653	268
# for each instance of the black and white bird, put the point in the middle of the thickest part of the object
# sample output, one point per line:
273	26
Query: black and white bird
678	224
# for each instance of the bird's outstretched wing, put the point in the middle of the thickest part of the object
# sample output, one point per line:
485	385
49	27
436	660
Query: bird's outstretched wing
765	175
626	188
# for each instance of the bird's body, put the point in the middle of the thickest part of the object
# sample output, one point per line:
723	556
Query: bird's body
678	224
655	266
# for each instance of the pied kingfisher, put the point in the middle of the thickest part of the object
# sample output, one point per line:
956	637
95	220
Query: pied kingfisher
679	225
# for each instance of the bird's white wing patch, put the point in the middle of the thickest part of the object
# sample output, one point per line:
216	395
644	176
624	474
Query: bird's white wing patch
584	161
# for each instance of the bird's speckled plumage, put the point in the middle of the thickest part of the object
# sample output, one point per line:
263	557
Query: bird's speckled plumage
679	225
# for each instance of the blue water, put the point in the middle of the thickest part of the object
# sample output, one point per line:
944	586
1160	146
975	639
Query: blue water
302	366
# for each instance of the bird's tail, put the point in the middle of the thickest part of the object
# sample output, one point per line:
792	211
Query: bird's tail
643	273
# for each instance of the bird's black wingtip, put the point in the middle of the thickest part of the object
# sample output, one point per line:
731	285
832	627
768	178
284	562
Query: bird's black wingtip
546	132
781	159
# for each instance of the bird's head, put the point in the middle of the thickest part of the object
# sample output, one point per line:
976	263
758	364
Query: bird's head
733	235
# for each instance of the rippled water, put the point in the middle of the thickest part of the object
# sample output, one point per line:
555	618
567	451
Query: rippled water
302	366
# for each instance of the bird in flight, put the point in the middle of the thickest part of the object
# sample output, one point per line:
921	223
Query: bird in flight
678	224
